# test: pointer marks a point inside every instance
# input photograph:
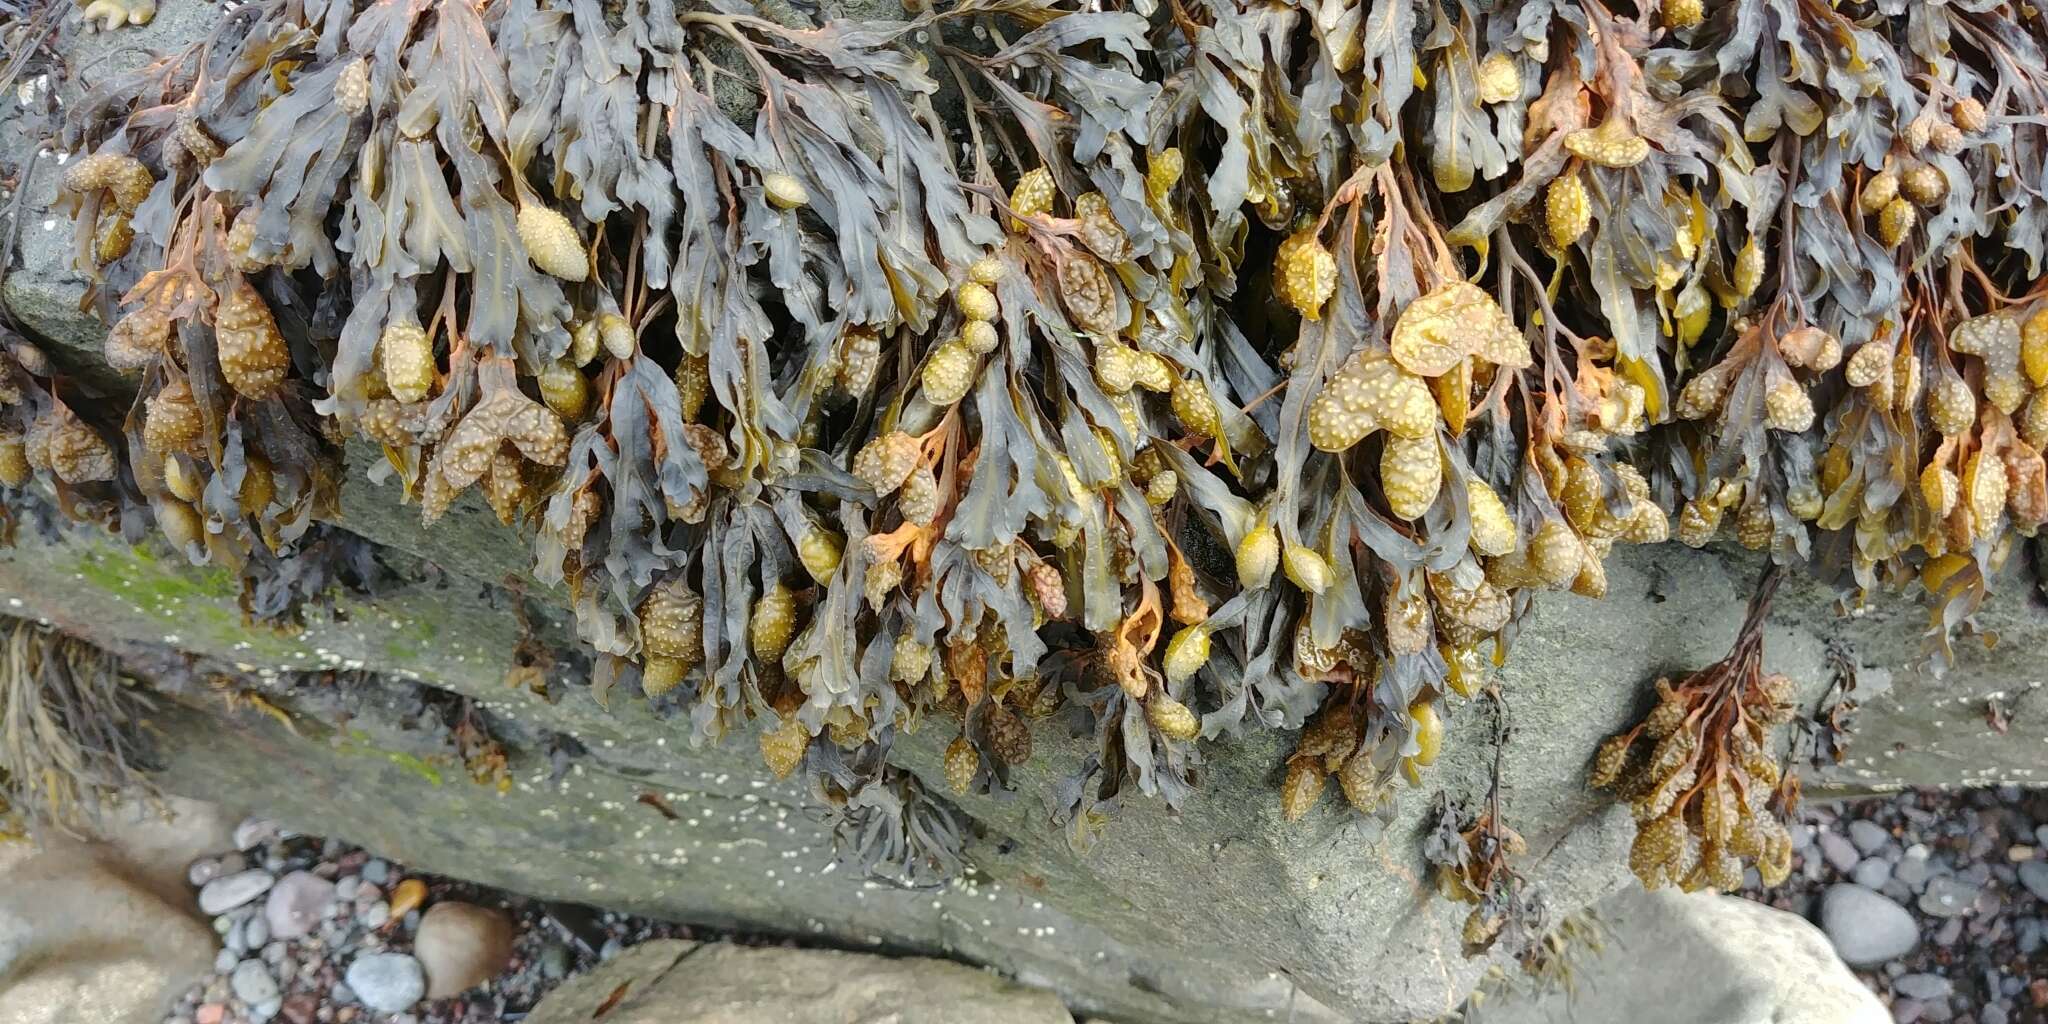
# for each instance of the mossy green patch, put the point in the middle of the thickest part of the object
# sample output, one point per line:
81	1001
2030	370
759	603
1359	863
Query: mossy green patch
185	598
357	743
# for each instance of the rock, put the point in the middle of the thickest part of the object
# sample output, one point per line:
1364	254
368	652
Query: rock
1947	896
104	930
674	982
387	982
302	1008
461	946
263	1011
1871	873
230	891
376	872
1866	928
225	960
2034	875
210	1013
297	903
1924	987
1701	958
1840	853
256	932
1868	836
252	982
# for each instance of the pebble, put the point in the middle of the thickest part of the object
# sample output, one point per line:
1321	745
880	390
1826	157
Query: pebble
345	889
265	1010
1992	1013
1866	928
2041	835
211	1013
256	933
387	982
254	832
461	946
300	1009
297	903
1924	987
230	891
1872	873
1947	896
1912	868
206	869
225	960
2034	875
376	872
1906	1011
341	994
555	961
1868	836
375	914
1840	852
252	983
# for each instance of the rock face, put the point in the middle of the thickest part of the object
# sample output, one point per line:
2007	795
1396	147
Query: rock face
1700	959
1223	913
672	982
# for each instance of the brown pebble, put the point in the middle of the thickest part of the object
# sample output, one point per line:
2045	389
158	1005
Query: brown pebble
299	1009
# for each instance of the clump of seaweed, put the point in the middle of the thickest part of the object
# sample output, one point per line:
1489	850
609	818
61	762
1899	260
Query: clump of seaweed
1702	773
73	736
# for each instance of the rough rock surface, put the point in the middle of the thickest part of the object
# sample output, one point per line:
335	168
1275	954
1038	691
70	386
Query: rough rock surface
97	931
1701	959
1223	913
673	982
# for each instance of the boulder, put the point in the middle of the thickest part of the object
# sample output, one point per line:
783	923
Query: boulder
1695	958
104	930
672	982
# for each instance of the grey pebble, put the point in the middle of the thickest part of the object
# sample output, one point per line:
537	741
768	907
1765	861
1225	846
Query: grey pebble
2027	936
273	864
1927	987
230	891
2041	835
387	982
1950	932
1947	896
1872	873
377	914
225	960
252	983
341	994
1992	1013
376	872
1866	928
2034	875
273	953
612	947
345	888
1912	867
1868	836
263	1011
554	962
1906	1011
256	933
1840	852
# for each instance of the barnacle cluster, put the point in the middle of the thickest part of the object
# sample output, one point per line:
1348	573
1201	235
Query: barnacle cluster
1201	366
1701	772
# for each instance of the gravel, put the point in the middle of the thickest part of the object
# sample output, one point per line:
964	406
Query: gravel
1938	900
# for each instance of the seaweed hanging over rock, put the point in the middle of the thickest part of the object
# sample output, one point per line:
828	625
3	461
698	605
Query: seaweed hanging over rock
1193	368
